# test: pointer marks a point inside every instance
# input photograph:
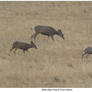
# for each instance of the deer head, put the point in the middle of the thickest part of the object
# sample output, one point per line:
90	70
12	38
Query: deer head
61	34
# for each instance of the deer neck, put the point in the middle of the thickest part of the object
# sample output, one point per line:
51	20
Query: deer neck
56	33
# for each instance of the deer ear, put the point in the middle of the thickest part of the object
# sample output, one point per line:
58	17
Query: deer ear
59	30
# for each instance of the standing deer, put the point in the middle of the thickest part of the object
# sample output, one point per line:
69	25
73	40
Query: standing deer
87	51
46	30
22	45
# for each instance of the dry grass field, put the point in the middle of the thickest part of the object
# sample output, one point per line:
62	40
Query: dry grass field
55	63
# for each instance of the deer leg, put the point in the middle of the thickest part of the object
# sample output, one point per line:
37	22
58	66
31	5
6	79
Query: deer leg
52	37
87	55
15	51
83	54
28	51
24	51
34	36
11	49
48	36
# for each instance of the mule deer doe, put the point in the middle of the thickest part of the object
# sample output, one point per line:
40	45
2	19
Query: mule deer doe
46	30
23	46
87	51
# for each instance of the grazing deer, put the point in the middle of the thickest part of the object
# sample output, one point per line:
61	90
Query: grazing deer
23	46
87	51
48	31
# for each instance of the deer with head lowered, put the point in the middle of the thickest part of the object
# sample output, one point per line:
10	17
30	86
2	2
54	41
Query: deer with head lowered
23	46
87	51
48	31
